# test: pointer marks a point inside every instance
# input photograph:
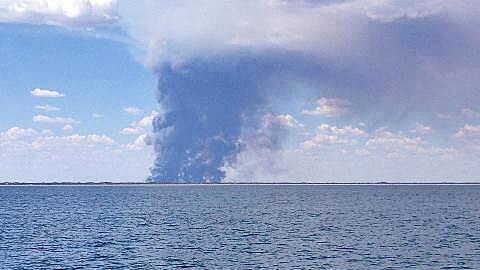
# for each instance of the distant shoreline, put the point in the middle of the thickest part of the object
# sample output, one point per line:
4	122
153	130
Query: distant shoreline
234	184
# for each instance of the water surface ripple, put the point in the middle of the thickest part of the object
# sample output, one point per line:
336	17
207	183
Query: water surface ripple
240	227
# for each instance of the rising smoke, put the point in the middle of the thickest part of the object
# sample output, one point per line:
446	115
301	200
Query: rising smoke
215	106
207	106
221	63
218	106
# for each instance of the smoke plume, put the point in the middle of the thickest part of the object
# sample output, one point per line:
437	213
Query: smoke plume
215	106
223	66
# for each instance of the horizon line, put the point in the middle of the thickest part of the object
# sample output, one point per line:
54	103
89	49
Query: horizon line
106	183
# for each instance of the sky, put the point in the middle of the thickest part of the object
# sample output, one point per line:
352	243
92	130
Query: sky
240	91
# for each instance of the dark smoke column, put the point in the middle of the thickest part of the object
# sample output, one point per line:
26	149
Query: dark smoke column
208	102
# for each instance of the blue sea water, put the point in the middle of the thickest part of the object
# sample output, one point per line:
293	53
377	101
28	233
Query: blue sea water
240	227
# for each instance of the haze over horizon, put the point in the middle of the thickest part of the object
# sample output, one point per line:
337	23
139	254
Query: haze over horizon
240	91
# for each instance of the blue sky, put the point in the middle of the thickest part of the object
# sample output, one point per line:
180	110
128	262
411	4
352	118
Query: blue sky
54	58
284	91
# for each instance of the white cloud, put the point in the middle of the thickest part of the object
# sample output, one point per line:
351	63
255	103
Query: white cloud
67	13
100	139
321	140
16	133
140	143
393	142
37	92
50	142
331	135
382	143
423	129
96	115
54	120
468	139
67	128
470	114
346	130
47	108
31	139
35	156
146	121
288	121
133	110
132	131
140	126
391	10
47	132
329	107
468	131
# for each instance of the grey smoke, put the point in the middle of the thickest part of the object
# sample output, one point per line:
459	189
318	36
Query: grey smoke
215	106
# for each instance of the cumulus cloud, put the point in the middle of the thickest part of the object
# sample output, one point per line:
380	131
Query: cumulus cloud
327	135
288	121
345	131
468	131
16	133
146	121
391	10
329	107
393	142
132	130
48	108
37	92
140	143
47	132
383	143
468	139
100	139
76	140
133	110
71	13
140	126
30	155
67	128
423	129
96	115
17	138
54	120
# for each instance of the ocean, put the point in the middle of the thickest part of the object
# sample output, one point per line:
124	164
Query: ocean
240	227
